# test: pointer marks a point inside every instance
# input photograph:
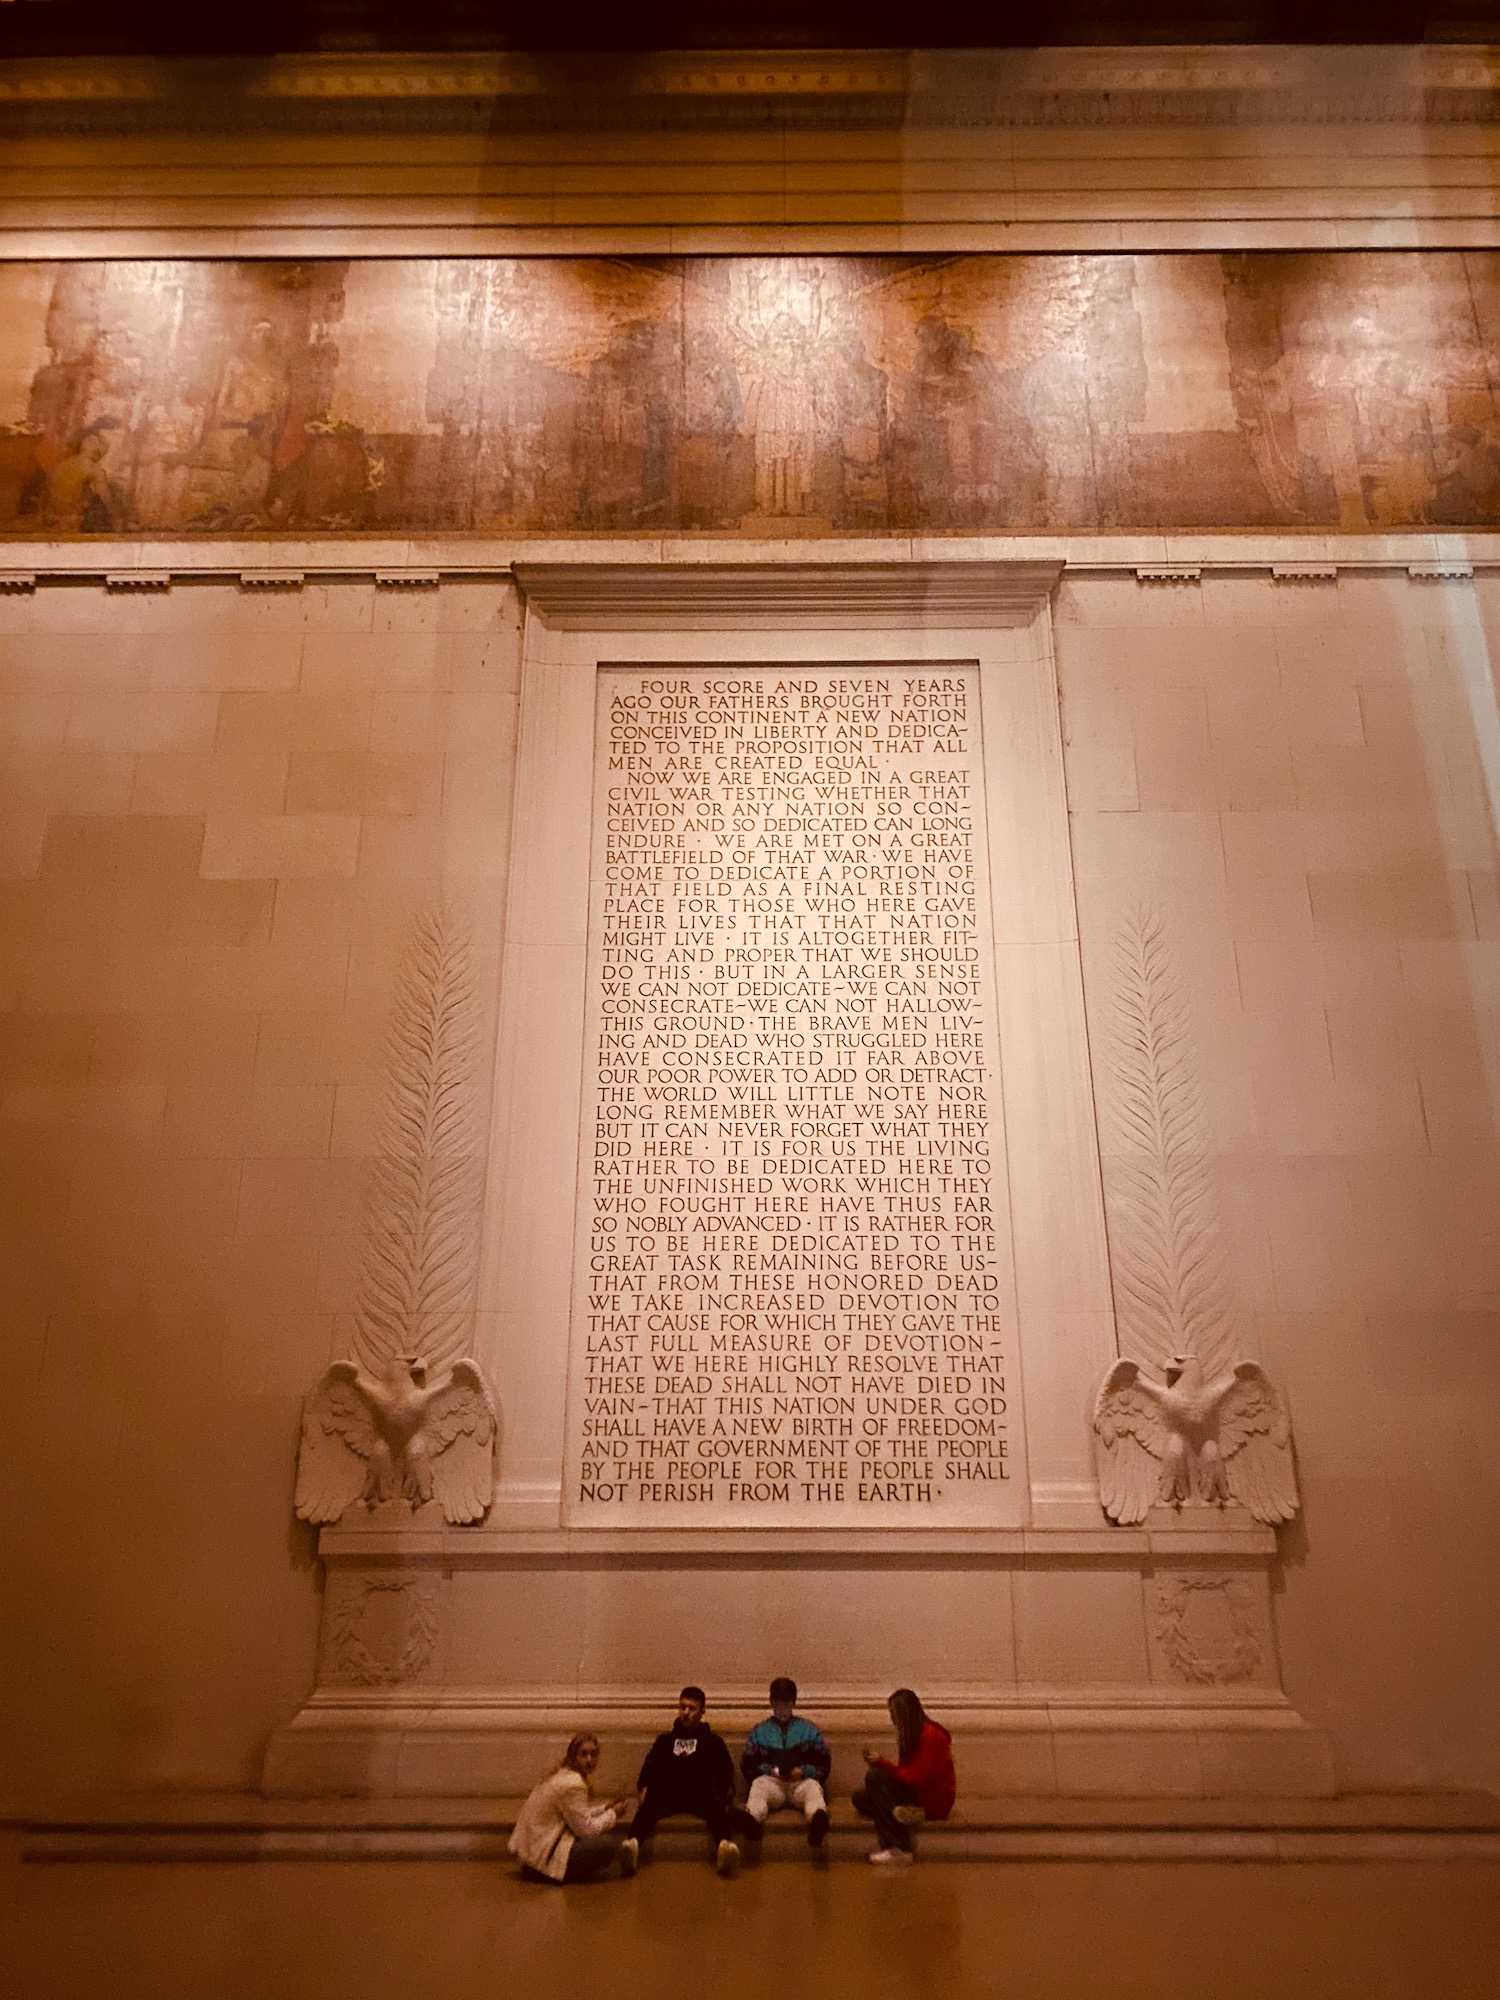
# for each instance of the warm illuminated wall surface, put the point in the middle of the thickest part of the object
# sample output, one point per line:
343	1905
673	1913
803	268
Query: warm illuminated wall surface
220	810
753	395
221	814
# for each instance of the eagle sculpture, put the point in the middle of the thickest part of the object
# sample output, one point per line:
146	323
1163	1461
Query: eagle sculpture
396	1437
1193	1442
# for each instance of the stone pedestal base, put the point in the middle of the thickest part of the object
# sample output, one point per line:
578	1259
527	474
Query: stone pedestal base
1082	1663
1085	1743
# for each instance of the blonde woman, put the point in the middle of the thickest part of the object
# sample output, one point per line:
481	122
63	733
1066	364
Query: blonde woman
562	1834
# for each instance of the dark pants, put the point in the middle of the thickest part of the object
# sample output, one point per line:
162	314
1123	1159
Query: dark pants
718	1815
591	1857
878	1798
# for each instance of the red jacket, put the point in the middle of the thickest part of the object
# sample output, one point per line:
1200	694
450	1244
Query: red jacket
929	1770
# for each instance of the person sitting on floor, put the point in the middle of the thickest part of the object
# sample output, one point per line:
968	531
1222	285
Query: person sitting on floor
920	1785
688	1769
561	1834
786	1763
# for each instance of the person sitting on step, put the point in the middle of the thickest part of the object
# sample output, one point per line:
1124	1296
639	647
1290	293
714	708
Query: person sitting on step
561	1834
921	1784
688	1769
786	1763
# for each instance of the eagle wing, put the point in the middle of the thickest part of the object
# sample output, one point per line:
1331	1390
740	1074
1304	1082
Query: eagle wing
338	1436
1255	1444
1133	1437
459	1431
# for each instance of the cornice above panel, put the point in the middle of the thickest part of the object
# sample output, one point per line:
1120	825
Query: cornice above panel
927	151
827	596
623	580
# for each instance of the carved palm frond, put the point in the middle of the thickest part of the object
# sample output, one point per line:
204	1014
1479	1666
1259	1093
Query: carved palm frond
1171	1289
419	1264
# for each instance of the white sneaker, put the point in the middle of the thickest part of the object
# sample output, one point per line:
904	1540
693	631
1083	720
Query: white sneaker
630	1855
893	1857
727	1860
908	1815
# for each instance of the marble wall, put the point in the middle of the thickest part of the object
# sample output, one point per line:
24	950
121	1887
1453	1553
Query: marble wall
222	812
222	808
755	395
1300	781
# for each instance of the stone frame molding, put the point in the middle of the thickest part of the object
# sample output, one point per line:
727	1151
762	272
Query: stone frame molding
522	1573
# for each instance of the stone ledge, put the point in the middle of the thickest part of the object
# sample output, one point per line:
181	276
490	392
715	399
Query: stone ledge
1169	1743
249	1827
28	564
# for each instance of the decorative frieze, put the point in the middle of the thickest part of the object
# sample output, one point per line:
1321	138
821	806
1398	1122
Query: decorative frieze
969	88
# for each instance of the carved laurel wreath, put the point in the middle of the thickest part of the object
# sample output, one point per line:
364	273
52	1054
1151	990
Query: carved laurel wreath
350	1653
1235	1661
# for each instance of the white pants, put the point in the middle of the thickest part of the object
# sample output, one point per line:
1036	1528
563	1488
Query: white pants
766	1794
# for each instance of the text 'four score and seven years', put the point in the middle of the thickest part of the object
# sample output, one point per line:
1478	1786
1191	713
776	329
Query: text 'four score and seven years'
791	1292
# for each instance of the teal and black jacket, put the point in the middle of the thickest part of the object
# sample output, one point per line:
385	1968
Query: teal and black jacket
772	1750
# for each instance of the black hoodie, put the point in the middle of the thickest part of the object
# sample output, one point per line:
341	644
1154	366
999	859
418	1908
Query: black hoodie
688	1762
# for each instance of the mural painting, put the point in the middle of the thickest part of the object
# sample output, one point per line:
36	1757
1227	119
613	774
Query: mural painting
756	396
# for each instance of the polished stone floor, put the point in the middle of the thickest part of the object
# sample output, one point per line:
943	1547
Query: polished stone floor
1149	1931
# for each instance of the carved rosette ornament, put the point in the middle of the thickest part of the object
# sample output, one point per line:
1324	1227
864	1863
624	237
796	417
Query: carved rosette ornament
411	1418
1212	1430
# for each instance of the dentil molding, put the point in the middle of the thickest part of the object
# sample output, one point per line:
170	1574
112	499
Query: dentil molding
973	580
364	91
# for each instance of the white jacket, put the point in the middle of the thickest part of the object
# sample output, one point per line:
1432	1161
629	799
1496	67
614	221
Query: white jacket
557	1813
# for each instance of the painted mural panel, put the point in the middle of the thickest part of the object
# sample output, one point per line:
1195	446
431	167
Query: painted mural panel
763	396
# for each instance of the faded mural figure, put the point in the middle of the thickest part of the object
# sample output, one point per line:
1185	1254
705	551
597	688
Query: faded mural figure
1466	472
506	419
715	472
168	438
20	472
951	424
320	472
728	395
510	452
625	433
81	498
112	404
1394	447
859	398
60	387
781	415
233	468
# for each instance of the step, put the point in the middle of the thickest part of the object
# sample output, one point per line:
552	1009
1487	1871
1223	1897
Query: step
1426	1826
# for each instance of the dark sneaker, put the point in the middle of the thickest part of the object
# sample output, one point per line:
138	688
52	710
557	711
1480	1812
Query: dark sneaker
817	1828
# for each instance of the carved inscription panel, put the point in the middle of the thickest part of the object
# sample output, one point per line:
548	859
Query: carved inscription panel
792	1299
